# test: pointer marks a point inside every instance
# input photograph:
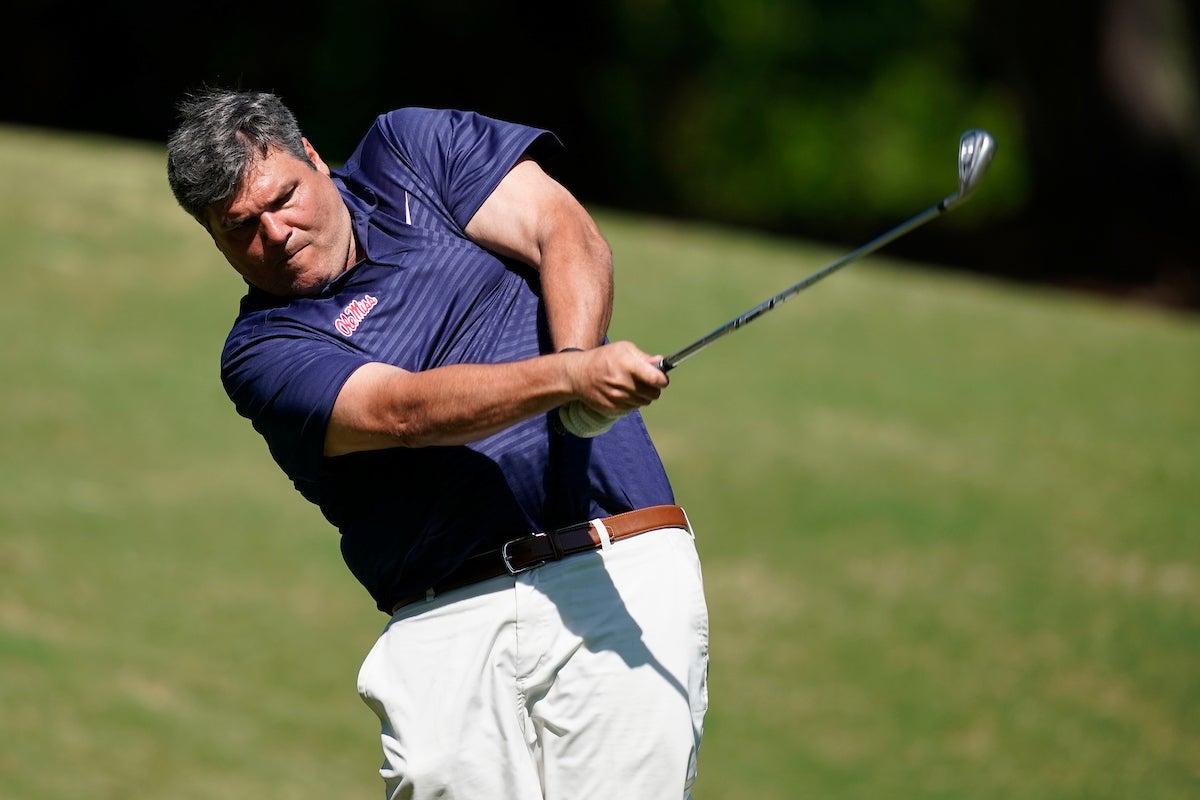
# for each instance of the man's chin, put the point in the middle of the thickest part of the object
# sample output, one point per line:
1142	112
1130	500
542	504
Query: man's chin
307	288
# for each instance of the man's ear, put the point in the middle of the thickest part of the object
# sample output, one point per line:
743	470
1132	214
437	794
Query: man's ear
314	157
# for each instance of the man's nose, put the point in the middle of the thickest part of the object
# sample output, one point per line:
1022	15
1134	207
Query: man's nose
275	229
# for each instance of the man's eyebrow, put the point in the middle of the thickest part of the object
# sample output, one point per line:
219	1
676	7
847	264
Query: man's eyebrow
229	223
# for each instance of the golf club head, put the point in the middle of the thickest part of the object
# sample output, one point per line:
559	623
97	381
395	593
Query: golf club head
975	151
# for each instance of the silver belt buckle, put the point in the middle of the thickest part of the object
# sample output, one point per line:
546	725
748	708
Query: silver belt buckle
507	559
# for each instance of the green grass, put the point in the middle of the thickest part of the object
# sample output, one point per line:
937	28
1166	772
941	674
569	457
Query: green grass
951	529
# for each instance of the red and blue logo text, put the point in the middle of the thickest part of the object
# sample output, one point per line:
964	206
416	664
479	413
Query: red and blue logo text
353	315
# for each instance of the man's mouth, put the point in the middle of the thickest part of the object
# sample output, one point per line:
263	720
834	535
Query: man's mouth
289	259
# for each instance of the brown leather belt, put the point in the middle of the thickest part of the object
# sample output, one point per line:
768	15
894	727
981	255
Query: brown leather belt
533	550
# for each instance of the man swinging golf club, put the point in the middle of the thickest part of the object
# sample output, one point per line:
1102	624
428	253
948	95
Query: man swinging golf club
413	322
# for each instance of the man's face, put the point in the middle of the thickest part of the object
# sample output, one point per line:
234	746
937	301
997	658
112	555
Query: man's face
286	230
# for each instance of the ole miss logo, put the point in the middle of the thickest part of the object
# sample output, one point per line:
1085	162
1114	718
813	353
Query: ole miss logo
353	315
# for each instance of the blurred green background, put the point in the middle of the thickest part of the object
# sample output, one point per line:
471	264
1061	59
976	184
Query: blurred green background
949	527
827	119
948	520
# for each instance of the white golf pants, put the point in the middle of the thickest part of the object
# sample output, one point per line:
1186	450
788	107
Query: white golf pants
583	678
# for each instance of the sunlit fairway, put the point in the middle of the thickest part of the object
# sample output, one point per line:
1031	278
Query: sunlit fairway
951	528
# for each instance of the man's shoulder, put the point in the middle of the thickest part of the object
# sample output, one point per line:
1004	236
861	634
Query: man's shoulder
280	339
399	142
261	314
416	122
413	120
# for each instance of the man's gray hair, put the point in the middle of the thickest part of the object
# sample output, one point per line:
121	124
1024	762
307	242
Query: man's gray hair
220	135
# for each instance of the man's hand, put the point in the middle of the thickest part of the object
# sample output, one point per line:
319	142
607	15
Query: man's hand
580	420
612	382
615	378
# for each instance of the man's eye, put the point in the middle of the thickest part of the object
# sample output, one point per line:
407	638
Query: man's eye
241	229
285	199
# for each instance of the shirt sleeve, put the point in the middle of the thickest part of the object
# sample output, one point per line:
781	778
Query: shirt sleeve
461	155
285	379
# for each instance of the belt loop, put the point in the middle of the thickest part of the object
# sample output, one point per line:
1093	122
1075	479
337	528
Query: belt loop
688	521
602	529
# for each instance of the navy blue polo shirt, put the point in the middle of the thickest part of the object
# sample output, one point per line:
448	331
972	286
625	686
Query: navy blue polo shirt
425	296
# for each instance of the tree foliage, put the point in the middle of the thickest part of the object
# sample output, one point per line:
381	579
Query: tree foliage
770	112
813	117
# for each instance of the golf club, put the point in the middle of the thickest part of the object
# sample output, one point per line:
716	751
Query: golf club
975	151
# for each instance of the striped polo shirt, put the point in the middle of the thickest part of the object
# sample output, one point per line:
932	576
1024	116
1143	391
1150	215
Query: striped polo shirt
425	296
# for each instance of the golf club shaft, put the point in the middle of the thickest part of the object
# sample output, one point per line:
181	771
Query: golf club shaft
672	361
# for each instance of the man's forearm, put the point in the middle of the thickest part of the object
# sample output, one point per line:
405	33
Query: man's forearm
577	287
382	406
